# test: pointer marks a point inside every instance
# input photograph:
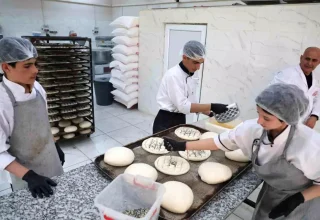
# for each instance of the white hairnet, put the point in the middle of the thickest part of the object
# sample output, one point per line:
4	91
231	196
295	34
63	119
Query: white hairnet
285	101
14	49
194	50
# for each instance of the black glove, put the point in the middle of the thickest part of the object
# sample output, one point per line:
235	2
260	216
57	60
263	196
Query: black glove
218	108
211	114
287	206
60	153
172	145
38	185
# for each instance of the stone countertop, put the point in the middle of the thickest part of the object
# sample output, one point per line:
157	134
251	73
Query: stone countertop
73	198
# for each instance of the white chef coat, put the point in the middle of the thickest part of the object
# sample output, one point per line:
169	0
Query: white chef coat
294	75
7	115
177	91
303	151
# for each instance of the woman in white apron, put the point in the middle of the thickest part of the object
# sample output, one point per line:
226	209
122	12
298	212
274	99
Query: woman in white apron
27	149
284	153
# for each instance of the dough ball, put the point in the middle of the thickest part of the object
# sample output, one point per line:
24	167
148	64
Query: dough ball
142	169
64	124
54	130
214	173
85	124
56	138
237	155
208	135
119	156
77	120
69	136
70	129
87	131
178	197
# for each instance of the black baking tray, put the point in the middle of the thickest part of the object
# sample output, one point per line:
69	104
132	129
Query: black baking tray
203	192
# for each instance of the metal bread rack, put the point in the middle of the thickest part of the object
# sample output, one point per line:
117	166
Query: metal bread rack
65	72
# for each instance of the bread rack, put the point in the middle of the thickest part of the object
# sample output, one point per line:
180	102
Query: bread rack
65	72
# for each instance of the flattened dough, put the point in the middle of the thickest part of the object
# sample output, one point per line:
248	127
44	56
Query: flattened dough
178	165
187	133
119	156
208	135
154	145
178	197
237	155
214	173
142	169
195	155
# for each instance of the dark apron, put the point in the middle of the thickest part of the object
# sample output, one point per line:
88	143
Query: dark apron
165	120
281	180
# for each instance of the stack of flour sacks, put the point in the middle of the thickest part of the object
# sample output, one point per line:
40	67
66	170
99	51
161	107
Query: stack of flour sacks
124	75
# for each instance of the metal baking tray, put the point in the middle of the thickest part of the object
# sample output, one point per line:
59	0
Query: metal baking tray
203	192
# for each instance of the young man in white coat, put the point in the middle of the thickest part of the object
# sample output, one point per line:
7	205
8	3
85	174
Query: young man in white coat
27	149
177	93
302	76
284	153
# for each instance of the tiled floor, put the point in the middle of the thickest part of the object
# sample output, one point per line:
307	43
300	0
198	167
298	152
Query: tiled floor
116	126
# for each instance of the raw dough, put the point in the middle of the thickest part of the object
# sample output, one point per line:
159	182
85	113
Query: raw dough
85	124
54	130
77	120
69	136
54	118
119	156
208	135
87	131
154	145
84	113
237	155
195	155
56	138
142	169
187	133
70	129
214	173
178	197
178	165
64	124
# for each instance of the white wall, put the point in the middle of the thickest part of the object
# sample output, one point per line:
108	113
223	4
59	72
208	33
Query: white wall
21	17
245	47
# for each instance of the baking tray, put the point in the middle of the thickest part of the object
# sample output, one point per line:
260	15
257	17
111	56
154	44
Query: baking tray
203	192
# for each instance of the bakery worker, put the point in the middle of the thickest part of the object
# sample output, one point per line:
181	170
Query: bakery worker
284	153
177	93
302	76
27	149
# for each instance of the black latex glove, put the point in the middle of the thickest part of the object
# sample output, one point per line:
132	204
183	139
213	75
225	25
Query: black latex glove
60	153
218	108
287	206
211	114
172	145
39	185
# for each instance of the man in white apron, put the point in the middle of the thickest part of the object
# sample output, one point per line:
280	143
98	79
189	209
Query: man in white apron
284	153
27	149
302	76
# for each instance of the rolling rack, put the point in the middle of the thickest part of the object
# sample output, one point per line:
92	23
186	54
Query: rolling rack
65	72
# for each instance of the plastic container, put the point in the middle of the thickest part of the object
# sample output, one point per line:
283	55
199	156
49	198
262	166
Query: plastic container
103	89
128	192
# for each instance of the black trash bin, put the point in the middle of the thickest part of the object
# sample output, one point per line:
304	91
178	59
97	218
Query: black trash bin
103	89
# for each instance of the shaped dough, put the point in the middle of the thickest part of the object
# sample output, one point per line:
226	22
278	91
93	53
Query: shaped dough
214	173
208	135
195	155
154	145
119	156
142	169
172	165
237	155
187	133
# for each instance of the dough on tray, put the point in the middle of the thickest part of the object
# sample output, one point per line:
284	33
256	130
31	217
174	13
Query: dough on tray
154	145
178	197
54	130
187	133
237	155
172	165
119	156
214	173
195	155
77	120
69	136
85	124
142	169
64	123
70	129
208	135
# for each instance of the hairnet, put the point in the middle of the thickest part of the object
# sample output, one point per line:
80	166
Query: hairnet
14	49
194	50
286	102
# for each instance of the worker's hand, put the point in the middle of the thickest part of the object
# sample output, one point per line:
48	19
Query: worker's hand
39	185
311	122
60	153
287	206
218	108
172	145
